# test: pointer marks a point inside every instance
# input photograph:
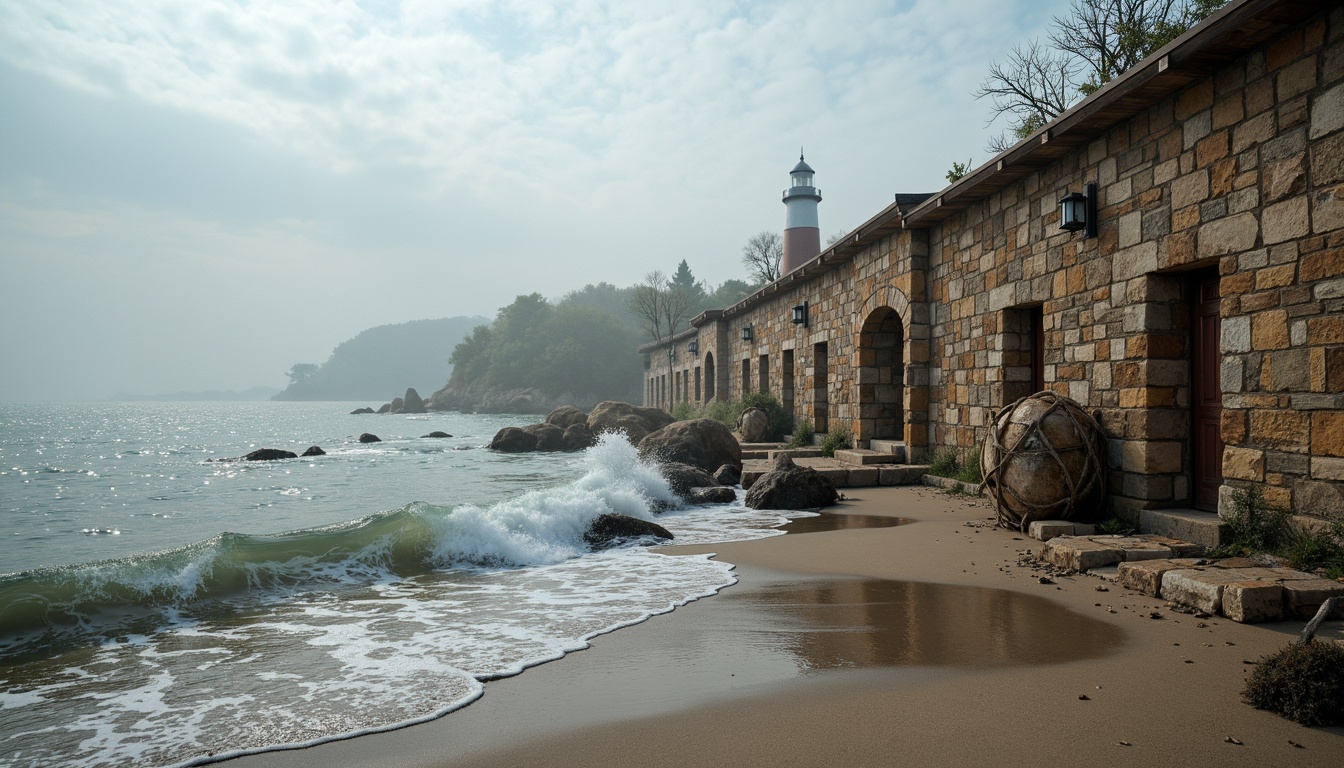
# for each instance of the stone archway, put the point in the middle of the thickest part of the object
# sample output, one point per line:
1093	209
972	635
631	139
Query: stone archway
881	376
914	356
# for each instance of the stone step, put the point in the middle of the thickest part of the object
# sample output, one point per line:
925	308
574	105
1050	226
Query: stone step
1083	553
795	453
1250	594
1045	530
863	457
894	447
950	484
850	476
1203	528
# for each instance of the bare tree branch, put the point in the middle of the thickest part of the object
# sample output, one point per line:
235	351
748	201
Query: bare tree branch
762	255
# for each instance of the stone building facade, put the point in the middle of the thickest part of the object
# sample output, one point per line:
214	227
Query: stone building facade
1203	325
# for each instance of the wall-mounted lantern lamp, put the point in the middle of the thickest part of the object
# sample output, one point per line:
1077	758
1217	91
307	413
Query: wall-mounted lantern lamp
800	314
693	347
747	333
1078	210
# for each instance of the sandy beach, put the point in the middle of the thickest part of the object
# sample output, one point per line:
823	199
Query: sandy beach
872	644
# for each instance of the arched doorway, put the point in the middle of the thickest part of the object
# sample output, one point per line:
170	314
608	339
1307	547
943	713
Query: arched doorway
709	376
881	373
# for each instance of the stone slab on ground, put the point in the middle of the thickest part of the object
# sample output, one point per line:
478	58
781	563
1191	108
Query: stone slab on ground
862	477
794	453
894	447
901	474
863	457
950	484
1198	588
1084	553
1203	528
1302	598
1145	576
1045	530
1253	601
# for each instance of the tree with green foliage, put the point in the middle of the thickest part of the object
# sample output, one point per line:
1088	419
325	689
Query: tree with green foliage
683	280
1091	45
958	170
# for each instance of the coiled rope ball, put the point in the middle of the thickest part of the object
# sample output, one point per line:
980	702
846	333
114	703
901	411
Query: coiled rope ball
1044	460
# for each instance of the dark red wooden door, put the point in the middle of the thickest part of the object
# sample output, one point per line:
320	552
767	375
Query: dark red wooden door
1207	392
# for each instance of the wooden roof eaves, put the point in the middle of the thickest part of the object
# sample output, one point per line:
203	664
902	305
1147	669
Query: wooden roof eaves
1231	31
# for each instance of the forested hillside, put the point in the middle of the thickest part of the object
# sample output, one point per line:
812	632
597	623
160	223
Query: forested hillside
382	362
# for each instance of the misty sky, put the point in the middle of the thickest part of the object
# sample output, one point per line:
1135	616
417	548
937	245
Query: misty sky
197	195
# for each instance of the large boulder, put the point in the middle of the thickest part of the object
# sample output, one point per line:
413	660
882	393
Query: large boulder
789	486
609	530
634	421
369	437
270	454
384	408
682	478
566	416
577	438
754	425
513	440
703	443
395	406
359	411
549	437
436	433
314	450
412	403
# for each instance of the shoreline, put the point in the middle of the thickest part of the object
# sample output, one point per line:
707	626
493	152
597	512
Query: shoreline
796	665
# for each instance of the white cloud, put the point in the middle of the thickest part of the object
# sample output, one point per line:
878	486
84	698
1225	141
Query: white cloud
523	145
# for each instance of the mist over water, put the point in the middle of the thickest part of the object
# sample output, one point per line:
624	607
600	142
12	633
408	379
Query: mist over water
214	625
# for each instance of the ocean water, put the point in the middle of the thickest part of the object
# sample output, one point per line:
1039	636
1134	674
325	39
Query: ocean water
162	605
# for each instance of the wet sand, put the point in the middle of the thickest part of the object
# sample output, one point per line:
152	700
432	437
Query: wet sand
866	643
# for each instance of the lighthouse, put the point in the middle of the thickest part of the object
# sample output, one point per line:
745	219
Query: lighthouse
802	235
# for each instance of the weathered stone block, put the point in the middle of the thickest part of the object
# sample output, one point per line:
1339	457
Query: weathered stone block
1319	498
861	477
1327	433
1252	601
1079	553
1195	588
1286	430
1145	576
1327	161
1232	234
1283	178
901	475
1327	112
1327	210
1302	599
1045	530
1285	221
1269	330
1327	469
1204	529
1243	463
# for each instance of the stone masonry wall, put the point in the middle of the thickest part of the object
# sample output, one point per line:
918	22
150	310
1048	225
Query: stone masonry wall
1238	177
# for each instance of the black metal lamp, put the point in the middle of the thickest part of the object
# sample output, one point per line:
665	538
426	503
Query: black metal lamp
800	314
693	347
1078	211
746	333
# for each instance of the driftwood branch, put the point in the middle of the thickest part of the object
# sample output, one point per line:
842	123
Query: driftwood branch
1310	630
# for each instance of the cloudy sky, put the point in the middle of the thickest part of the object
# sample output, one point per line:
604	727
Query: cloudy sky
197	195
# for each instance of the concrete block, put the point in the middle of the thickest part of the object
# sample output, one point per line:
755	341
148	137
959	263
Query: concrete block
860	477
1145	576
900	474
1199	589
1202	528
1250	602
1045	530
863	457
1302	598
1079	553
1178	547
838	477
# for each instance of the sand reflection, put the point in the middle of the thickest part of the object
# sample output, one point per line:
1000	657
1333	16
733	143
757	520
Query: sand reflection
865	623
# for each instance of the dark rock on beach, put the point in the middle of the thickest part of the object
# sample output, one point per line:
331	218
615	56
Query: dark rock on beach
703	443
437	433
789	486
577	437
682	478
314	450
549	437
566	416
369	437
269	454
513	440
728	475
719	495
609	530
635	421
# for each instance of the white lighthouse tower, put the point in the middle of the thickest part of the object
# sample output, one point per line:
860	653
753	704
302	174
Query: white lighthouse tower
802	235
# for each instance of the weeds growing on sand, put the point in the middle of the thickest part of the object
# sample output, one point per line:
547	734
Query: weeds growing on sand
1255	527
1304	683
